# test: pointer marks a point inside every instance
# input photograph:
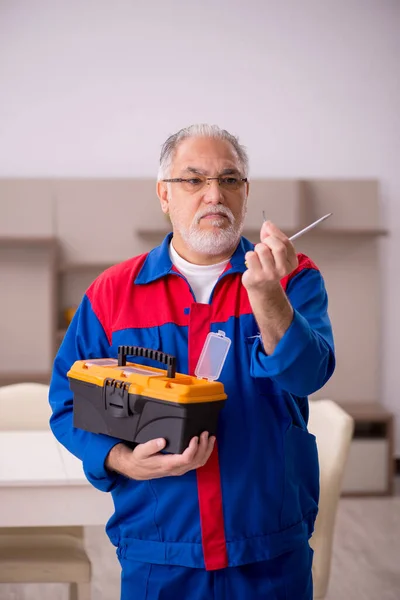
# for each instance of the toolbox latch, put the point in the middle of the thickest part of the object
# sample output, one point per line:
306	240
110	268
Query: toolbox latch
116	397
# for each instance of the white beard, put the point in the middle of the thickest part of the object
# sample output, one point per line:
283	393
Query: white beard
212	242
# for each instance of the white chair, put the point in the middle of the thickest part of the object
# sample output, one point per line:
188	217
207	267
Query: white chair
24	407
333	428
39	554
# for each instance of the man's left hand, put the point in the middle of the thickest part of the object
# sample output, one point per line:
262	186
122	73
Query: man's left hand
272	259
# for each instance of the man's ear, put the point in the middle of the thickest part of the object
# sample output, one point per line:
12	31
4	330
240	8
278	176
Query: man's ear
162	193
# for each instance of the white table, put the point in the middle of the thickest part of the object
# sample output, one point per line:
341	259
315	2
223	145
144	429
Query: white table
42	484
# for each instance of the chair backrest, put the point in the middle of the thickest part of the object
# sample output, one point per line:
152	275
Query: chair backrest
333	428
24	406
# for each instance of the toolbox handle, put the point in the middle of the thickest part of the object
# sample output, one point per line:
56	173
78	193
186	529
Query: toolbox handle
166	359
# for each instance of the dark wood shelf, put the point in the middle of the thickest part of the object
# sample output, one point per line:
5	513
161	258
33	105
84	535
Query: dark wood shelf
146	233
157	235
83	267
367	411
250	232
348	232
10	378
29	242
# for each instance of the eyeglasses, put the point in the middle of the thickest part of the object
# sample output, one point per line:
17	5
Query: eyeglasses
194	184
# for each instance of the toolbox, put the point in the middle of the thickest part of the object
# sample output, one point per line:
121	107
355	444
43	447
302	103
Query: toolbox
137	403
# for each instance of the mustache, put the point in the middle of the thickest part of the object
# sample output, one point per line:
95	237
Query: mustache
214	210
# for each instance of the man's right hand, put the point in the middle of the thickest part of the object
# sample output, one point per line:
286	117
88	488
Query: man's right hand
146	462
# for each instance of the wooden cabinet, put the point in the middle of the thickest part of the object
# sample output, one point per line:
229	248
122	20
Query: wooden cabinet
281	200
28	267
370	465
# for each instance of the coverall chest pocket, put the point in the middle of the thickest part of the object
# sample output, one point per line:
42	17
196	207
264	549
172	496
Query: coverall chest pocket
142	338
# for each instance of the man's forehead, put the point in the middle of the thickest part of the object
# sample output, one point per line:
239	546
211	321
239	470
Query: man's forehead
205	153
227	170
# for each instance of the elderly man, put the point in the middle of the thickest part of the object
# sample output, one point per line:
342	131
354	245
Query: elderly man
230	517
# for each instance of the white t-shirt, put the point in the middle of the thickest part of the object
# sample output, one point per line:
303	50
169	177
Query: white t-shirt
201	278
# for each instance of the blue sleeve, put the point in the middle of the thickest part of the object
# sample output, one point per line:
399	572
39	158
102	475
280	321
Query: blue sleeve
85	338
304	359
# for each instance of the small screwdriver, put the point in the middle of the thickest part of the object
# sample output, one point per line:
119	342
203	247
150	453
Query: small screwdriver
300	233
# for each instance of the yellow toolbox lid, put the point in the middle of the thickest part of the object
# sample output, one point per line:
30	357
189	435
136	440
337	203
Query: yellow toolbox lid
147	381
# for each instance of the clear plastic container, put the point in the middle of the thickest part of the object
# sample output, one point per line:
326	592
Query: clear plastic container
101	362
139	371
213	355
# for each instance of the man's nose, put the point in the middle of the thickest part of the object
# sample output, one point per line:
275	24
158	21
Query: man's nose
212	192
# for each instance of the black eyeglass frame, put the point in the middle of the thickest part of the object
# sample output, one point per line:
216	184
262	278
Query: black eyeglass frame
184	180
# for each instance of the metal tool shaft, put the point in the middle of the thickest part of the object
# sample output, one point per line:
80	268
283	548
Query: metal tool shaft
311	226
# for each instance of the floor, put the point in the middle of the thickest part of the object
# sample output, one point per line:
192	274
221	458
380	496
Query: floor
366	557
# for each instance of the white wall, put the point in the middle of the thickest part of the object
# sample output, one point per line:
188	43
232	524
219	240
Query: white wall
312	88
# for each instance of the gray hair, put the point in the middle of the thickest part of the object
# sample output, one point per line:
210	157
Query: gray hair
199	130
